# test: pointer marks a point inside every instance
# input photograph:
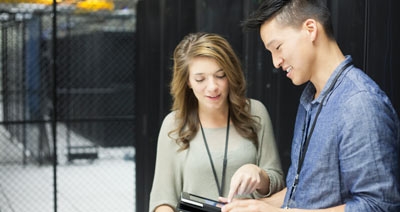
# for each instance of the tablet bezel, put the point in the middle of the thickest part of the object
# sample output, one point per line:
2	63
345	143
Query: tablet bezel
199	202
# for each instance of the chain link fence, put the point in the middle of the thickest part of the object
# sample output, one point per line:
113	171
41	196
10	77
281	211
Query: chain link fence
67	106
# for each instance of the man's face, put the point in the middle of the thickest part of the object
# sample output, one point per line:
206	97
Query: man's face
291	49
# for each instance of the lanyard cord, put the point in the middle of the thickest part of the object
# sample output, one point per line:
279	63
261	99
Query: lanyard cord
303	150
220	187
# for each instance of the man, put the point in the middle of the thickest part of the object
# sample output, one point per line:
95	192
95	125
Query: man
345	148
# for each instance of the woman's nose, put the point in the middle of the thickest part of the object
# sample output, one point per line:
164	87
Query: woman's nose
212	84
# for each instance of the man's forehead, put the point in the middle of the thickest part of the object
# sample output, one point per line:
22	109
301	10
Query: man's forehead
268	33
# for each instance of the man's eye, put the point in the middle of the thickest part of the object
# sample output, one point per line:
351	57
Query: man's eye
278	47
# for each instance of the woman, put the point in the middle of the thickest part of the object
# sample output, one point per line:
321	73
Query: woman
215	142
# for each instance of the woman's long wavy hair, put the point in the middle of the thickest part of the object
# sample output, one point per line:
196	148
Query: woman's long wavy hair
184	101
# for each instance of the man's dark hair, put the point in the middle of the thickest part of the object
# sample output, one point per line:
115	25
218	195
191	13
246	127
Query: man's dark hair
291	13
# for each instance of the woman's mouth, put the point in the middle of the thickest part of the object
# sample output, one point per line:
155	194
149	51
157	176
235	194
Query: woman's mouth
213	97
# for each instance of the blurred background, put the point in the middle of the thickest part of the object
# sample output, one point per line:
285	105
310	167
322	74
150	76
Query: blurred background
67	105
85	87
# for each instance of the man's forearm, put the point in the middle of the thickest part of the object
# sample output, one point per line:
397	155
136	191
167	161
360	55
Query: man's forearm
276	199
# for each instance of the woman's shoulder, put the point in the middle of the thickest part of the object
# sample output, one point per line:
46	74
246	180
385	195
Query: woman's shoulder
170	116
256	102
169	119
257	107
168	125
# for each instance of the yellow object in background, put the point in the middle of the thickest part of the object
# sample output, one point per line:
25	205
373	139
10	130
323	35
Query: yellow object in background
95	5
83	6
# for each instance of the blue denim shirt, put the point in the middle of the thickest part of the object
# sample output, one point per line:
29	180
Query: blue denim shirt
353	154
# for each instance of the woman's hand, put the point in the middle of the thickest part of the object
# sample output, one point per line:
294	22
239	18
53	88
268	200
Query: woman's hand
247	179
164	208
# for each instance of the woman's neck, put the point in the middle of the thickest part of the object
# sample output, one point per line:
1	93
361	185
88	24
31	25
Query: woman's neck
213	119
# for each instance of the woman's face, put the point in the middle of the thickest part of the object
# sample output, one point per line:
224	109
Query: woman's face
209	83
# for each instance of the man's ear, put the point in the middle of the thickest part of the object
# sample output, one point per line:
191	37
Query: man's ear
311	26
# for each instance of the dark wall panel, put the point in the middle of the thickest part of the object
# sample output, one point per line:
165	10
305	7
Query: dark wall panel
364	29
147	97
160	26
367	30
223	18
382	45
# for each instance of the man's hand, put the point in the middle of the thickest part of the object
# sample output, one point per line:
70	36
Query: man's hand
249	205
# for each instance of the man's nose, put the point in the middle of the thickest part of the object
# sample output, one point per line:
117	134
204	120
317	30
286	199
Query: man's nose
277	61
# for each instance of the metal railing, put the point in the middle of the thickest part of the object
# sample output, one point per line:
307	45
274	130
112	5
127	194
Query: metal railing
66	125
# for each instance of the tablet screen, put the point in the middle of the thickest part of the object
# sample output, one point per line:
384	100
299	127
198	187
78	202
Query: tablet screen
206	200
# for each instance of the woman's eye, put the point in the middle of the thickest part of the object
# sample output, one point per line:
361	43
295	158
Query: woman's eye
278	47
221	76
199	80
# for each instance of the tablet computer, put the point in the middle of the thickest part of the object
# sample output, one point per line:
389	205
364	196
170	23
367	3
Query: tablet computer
192	202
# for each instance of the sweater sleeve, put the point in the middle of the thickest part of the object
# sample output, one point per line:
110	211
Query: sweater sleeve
268	155
166	183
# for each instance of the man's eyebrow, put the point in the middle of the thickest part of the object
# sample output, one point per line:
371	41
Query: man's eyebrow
268	46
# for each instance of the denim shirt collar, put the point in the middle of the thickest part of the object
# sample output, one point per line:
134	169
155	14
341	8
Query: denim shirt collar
307	97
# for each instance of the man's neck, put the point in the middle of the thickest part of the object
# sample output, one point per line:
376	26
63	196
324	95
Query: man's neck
329	58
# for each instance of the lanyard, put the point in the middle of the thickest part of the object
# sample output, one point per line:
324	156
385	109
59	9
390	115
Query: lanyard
220	187
303	150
